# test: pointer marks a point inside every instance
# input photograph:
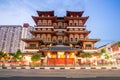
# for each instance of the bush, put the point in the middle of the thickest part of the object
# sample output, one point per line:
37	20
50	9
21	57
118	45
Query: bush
35	57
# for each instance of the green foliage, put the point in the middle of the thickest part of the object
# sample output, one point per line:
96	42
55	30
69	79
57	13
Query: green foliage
119	44
35	57
78	54
107	56
18	54
103	51
1	54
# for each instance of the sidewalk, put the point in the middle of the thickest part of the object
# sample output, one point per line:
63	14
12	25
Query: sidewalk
81	67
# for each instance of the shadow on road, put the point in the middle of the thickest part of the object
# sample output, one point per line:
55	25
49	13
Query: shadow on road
58	78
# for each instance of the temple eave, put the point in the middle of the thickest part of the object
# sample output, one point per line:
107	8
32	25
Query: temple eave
90	40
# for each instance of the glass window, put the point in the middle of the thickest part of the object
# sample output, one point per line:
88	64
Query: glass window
88	45
75	24
32	45
59	27
76	39
48	39
70	24
71	39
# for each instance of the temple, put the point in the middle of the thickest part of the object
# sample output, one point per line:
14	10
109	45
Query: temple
60	39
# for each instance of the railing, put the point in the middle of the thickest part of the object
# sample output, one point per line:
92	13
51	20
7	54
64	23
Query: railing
90	48
42	25
76	25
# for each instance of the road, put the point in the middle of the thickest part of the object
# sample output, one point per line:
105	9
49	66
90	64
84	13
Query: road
32	74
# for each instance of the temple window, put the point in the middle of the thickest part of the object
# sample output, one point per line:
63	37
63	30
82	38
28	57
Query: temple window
43	38
60	24
48	38
70	22
71	39
88	46
44	22
65	39
76	39
32	45
75	24
81	36
54	39
54	24
59	27
39	22
49	22
80	22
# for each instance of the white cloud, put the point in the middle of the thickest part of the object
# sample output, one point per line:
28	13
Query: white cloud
15	12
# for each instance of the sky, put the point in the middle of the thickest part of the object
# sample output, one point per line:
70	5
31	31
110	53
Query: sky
103	22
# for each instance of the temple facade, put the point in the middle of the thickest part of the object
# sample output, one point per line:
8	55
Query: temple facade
60	38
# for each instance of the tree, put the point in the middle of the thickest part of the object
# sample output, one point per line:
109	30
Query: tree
1	54
36	57
103	51
107	56
119	44
18	54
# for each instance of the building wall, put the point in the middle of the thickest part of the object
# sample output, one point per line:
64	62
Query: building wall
10	38
25	35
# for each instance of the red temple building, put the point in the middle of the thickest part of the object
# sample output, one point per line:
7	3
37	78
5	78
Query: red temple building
60	38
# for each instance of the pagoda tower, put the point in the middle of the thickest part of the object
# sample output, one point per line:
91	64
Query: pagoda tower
60	37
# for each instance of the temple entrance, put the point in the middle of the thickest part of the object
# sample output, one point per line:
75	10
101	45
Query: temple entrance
61	58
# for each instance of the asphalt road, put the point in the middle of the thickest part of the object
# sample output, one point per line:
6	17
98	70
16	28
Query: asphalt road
30	74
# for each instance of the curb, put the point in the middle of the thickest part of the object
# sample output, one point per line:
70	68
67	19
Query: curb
60	68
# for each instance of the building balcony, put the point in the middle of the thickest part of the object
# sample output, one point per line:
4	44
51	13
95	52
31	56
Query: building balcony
77	26
60	33
85	32
42	31
62	29
90	48
43	26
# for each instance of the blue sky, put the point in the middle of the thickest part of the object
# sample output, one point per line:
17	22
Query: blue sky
104	21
